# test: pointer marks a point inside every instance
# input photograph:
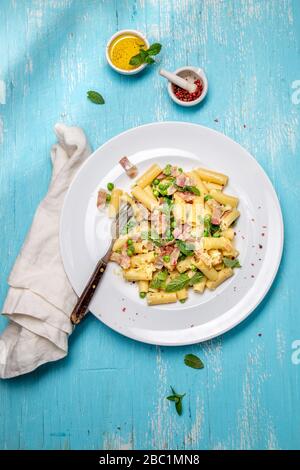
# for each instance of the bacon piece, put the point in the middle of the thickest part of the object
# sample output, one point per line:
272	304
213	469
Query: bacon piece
122	259
131	170
158	264
186	196
182	180
175	172
185	233
101	198
177	232
216	214
171	190
174	256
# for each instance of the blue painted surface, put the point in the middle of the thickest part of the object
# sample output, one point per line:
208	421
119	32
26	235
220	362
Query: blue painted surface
110	391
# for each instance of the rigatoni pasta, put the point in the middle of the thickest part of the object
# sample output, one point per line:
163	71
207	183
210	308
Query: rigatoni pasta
180	238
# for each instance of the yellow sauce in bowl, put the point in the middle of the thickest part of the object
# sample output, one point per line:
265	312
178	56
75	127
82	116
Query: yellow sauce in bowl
123	47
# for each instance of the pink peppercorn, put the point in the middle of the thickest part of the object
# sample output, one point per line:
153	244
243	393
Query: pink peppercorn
184	95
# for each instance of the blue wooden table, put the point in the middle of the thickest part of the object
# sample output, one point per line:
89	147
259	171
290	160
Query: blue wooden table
109	393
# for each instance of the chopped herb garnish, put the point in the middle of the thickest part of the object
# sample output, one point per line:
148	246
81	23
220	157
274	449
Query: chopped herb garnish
159	280
231	263
177	283
186	249
207	197
190	189
193	361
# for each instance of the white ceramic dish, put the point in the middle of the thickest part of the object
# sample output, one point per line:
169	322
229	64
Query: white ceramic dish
197	74
119	33
202	317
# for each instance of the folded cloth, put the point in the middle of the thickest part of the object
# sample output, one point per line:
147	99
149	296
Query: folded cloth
40	298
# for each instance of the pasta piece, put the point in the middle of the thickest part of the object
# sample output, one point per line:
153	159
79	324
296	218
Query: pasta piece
200	286
211	186
216	257
229	218
147	177
144	198
198	182
143	286
185	264
141	247
210	273
120	242
182	294
149	191
156	298
224	198
212	176
197	211
143	273
233	253
229	233
221	243
222	276
115	201
142	260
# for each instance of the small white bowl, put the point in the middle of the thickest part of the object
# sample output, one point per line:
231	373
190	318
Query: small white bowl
196	73
119	33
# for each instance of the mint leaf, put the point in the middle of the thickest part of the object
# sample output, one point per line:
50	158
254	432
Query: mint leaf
177	283
144	56
186	249
154	49
193	361
177	399
95	97
231	263
192	189
136	60
149	60
207	197
197	277
159	280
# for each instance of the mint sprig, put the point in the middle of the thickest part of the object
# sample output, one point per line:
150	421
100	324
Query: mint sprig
177	399
145	55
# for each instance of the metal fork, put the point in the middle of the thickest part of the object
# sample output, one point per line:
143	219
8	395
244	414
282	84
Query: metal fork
84	300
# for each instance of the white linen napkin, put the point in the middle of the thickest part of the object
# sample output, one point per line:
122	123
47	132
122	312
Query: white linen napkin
40	298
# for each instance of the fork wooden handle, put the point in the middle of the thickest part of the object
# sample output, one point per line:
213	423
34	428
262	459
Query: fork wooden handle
84	300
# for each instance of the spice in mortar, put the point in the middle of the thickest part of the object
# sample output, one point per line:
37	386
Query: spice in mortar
184	95
123	48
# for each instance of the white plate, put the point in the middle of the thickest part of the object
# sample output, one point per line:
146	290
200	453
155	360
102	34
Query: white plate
259	234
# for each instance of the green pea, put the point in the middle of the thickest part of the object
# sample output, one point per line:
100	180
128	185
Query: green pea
193	268
130	251
180	170
108	197
156	182
142	295
167	170
166	258
155	192
110	186
129	242
182	301
174	224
